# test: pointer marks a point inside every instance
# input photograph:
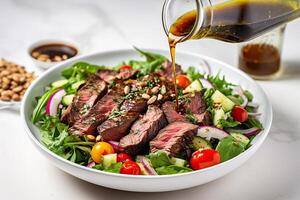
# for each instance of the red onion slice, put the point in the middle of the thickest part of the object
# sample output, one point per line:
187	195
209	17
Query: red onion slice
145	162
54	101
247	132
115	145
240	92
254	114
91	164
209	132
206	83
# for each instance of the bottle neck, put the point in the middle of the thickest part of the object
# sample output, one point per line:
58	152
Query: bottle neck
196	12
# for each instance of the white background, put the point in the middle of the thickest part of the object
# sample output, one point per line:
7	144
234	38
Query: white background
272	173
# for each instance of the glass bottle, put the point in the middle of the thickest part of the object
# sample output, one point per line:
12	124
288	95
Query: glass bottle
230	21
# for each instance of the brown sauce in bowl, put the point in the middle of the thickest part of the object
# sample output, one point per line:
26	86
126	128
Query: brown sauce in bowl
53	52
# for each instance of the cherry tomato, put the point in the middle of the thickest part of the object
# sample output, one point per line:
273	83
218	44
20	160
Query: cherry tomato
99	149
239	114
130	167
204	158
128	67
182	81
122	157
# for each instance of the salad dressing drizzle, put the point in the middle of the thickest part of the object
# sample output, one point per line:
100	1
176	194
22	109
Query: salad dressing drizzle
172	45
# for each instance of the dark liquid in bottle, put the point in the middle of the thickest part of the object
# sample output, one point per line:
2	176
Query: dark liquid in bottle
238	20
259	59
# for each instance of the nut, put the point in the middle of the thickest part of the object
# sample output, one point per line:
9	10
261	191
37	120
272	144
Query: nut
159	97
5	98
163	89
152	100
35	54
18	89
16	97
57	58
91	137
8	93
64	57
5	80
126	89
98	138
145	96
155	90
5	73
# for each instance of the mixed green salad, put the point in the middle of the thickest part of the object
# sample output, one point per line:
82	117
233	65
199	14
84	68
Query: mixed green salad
233	121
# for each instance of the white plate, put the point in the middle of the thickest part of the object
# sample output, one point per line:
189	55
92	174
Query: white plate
146	183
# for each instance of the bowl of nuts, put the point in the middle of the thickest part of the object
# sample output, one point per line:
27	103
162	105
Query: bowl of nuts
47	53
14	80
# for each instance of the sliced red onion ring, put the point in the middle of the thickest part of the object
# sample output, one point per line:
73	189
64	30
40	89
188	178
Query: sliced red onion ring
207	66
254	114
54	101
209	132
145	162
247	132
206	83
115	145
254	105
91	164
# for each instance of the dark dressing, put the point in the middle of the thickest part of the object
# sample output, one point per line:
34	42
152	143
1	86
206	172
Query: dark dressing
56	49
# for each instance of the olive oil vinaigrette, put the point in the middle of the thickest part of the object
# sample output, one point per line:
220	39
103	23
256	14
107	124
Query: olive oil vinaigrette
236	21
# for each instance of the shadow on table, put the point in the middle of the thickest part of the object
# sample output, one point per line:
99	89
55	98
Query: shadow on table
291	71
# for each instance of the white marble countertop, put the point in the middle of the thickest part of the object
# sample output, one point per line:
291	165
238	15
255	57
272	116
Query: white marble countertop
272	173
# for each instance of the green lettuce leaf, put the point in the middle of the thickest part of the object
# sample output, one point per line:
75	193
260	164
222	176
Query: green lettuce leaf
159	159
172	169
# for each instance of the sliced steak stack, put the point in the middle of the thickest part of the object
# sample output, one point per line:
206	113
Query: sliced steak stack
94	89
99	112
196	105
117	127
174	138
171	114
107	74
143	130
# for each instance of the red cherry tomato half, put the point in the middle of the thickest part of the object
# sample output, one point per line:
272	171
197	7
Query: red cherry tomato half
128	67
122	157
239	114
182	81
204	158
130	167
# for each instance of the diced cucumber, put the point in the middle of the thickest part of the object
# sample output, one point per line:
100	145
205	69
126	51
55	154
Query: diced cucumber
58	84
178	162
109	159
195	86
218	114
200	143
219	98
67	100
241	138
143	169
76	85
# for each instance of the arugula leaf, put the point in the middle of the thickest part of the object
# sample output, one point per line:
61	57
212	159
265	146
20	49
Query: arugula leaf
54	135
36	115
113	168
249	95
152	63
172	169
159	159
80	70
253	122
193	74
229	148
229	123
221	84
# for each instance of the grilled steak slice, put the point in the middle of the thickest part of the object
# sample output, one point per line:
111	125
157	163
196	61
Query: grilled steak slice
117	127
99	112
197	106
173	138
107	74
94	89
171	114
143	130
125	74
168	70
